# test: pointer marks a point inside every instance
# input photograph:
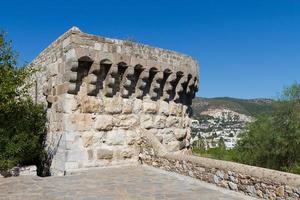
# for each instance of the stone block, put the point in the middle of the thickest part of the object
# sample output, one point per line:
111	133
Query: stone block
137	106
90	154
126	121
104	154
104	122
90	104
61	88
113	105
159	121
163	108
180	133
149	107
82	122
173	146
116	137
172	121
71	165
146	121
127	106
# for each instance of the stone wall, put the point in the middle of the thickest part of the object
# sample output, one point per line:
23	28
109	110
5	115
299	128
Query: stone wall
253	181
99	92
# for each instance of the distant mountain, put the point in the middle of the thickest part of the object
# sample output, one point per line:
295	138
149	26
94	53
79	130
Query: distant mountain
250	107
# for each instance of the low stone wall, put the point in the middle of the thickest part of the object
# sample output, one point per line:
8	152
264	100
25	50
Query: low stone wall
253	181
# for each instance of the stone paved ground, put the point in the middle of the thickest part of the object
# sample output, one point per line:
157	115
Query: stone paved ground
131	182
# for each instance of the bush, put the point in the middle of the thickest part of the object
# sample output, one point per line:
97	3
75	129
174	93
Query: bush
22	122
273	141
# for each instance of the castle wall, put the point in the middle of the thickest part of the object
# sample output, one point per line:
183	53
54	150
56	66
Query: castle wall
100	92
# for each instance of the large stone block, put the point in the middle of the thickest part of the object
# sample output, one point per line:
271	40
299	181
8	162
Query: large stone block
137	106
90	104
180	134
159	121
146	121
172	121
104	122
104	154
150	107
116	137
113	105
127	106
126	121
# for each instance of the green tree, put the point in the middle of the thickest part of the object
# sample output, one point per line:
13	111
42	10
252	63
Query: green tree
273	141
22	122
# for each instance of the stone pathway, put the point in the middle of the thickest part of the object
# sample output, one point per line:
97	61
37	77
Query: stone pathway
127	182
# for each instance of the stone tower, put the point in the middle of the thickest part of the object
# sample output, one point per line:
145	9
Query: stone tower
100	93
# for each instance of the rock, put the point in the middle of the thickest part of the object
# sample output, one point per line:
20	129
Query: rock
90	153
137	106
251	190
113	105
126	121
172	121
259	193
104	154
223	183
159	122
146	121
90	104
280	191
104	122
232	186
163	108
220	174
127	153
232	179
180	133
191	174
115	137
173	146
127	106
216	179
149	107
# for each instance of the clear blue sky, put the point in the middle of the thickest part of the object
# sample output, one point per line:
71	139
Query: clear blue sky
246	49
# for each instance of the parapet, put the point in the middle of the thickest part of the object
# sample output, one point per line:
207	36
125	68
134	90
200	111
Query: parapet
117	66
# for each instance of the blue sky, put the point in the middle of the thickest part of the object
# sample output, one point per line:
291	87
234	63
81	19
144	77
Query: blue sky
246	49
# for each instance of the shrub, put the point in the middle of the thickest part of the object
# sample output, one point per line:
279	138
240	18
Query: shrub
22	122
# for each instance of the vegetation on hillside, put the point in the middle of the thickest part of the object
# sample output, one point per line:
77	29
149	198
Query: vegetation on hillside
22	121
272	141
250	107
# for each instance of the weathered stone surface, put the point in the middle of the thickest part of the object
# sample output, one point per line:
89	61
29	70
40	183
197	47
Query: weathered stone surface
113	105
149	107
180	134
116	137
104	122
126	121
280	191
146	121
104	154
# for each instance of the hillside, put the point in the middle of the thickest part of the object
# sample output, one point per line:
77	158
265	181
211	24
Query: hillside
224	119
250	107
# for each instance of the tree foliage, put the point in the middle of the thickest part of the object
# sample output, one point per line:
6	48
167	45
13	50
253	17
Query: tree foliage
273	141
21	120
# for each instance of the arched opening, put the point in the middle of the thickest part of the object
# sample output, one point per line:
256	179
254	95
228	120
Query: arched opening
84	65
105	66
